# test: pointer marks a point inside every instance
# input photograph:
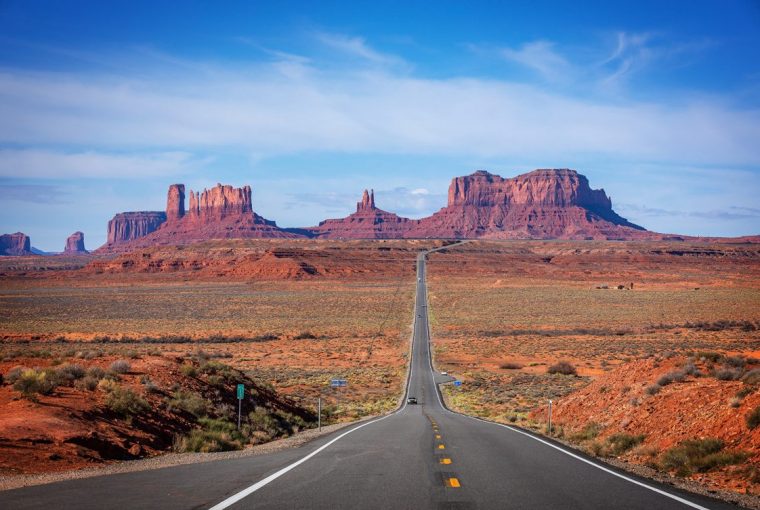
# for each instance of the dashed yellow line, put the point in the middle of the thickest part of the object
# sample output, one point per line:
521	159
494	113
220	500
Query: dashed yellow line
438	436
453	482
445	460
441	447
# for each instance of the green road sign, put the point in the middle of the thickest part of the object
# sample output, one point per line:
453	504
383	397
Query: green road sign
240	391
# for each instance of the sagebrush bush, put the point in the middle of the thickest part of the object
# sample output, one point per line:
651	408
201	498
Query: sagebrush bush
621	443
752	377
562	367
728	374
120	366
86	383
32	382
188	370
653	389
125	402
190	402
588	432
753	418
214	436
96	372
699	455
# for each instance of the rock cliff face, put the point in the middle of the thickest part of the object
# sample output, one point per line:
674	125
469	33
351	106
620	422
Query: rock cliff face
368	222
222	212
128	226
542	204
75	244
15	244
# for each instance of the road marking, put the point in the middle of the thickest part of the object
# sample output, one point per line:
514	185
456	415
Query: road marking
445	460
438	436
453	482
547	443
441	447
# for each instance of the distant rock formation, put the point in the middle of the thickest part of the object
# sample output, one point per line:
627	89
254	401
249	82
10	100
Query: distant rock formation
15	244
128	226
175	202
368	222
542	204
222	212
75	244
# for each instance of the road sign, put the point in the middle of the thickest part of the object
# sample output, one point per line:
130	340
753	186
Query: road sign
338	383
240	391
457	383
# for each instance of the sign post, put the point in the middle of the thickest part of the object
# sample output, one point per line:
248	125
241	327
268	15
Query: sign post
240	395
550	417
319	413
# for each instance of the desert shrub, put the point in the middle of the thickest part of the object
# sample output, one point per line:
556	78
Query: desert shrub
305	335
188	370
32	382
214	436
1	379
653	389
120	366
691	369
125	402
190	402
735	361
68	373
562	367
728	374
621	443
752	377
13	374
588	432
753	418
87	383
700	455
709	356
510	365
96	372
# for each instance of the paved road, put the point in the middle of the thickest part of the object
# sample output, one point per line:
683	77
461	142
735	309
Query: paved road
420	457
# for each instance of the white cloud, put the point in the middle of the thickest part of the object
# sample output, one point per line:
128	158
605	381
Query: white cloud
263	111
357	47
36	164
541	57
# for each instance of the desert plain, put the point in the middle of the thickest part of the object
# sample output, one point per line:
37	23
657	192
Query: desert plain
649	350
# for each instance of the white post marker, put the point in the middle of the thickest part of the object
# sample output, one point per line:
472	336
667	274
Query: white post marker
550	417
319	414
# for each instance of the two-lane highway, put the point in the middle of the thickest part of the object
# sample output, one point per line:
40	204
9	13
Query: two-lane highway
420	457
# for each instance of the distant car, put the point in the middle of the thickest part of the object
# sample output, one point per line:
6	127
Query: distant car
419	279
411	400
444	373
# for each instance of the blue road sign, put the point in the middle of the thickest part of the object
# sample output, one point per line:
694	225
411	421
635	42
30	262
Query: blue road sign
457	383
338	383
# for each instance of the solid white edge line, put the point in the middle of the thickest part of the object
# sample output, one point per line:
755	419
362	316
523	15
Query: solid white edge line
591	463
258	485
274	476
547	443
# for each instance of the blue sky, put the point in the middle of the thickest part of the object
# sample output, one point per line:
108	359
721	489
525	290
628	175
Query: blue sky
104	104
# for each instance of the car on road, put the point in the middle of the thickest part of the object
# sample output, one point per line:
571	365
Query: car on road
411	400
444	373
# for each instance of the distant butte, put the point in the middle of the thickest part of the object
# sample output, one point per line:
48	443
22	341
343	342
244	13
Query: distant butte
542	204
368	222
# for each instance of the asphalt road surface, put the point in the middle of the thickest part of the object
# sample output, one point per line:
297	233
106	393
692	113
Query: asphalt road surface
420	457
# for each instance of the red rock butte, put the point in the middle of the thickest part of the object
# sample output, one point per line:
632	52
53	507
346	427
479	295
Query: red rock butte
542	204
75	244
15	244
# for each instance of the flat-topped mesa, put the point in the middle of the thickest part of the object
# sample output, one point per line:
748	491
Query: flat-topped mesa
15	244
545	187
128	226
175	202
220	202
367	203
75	244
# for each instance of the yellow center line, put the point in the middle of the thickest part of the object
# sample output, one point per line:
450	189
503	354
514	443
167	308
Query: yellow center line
453	482
445	460
438	436
441	447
